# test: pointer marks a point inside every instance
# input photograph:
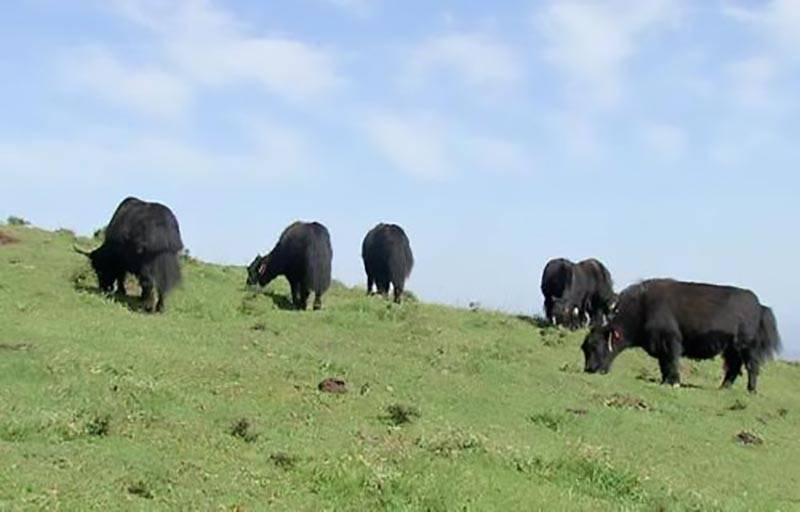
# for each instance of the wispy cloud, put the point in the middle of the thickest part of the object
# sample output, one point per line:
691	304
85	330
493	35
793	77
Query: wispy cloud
268	152
590	42
201	45
426	146
777	20
149	90
414	144
665	140
360	8
475	59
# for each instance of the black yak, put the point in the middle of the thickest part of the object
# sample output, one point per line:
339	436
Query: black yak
387	259
143	239
672	319
574	292
303	254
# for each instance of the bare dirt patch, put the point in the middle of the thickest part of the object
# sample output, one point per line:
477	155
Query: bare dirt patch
331	385
6	239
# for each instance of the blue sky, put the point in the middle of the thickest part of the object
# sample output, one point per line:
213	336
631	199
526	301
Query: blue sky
660	136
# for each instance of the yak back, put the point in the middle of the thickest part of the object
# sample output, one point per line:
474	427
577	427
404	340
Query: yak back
146	228
592	279
557	277
705	316
304	253
387	251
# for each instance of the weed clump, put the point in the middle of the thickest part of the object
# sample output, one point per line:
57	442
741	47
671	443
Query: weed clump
738	405
400	414
747	438
620	401
452	442
550	421
283	460
98	426
140	489
243	429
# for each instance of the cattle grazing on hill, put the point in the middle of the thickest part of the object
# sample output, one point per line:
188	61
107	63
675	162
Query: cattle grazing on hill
574	293
387	259
673	319
303	255
142	239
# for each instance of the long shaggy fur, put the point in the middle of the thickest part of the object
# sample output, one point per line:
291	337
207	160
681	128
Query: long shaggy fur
388	259
143	239
768	341
303	255
673	319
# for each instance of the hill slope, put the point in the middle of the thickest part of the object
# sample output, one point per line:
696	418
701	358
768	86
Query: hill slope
215	405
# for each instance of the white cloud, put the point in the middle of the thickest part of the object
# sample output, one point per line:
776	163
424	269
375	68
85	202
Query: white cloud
149	90
752	81
426	146
208	46
500	156
590	42
270	152
413	144
778	20
361	8
666	140
478	60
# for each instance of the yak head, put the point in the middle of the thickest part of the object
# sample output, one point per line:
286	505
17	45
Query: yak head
600	347
567	314
253	270
259	271
103	265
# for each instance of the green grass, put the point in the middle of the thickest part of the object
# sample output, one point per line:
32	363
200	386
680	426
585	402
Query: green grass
214	405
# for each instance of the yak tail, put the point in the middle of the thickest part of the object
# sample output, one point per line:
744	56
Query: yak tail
319	266
165	271
401	262
768	341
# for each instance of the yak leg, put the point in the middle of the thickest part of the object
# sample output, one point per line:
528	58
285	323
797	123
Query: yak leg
304	293
669	361
148	294
548	310
383	288
317	301
752	365
295	286
160	303
733	367
121	285
370	282
398	293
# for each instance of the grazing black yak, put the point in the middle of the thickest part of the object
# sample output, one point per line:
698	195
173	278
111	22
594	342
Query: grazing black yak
143	239
387	259
576	292
303	254
672	319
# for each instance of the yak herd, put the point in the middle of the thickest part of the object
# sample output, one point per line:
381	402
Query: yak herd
668	319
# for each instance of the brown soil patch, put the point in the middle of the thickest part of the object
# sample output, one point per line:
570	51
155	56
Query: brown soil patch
7	239
331	385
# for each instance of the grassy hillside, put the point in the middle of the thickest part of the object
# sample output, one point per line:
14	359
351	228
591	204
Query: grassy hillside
214	406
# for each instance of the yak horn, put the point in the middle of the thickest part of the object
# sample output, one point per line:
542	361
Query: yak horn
81	251
610	344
